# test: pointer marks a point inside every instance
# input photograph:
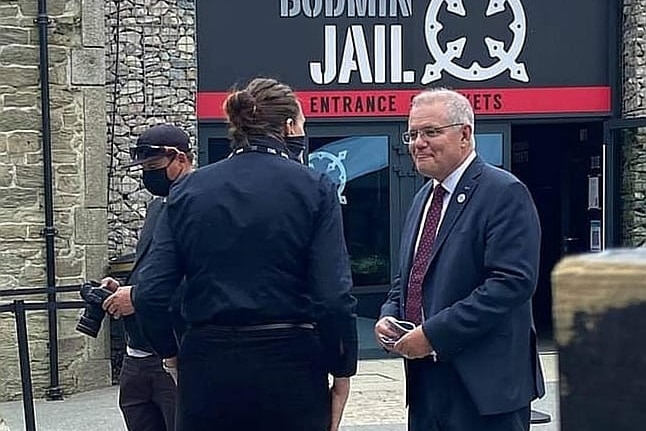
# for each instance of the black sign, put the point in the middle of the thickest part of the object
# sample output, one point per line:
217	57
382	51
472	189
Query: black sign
404	44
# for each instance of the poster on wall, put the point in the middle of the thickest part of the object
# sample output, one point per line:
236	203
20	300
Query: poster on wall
593	193
595	235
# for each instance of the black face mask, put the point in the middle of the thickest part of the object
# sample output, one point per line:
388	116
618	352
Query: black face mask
296	147
157	182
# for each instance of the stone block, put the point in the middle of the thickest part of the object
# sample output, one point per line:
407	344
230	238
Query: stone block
29	176
58	75
13	35
22	100
12	198
62	97
68	184
70	266
88	66
28	55
66	200
95	148
96	261
64	139
70	169
19	77
91	226
13	231
29	8
23	142
8	14
32	275
91	374
600	322
19	119
7	175
64	156
93	23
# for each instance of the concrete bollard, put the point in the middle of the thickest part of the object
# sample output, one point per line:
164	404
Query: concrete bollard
600	328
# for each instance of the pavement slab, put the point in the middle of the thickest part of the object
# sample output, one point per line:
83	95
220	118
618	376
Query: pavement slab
376	403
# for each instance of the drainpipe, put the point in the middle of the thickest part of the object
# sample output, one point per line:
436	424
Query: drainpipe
54	392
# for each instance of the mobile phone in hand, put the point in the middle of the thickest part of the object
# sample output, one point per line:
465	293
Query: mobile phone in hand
402	327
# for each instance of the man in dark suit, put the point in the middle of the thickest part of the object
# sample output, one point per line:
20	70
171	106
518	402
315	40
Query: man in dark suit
147	392
467	273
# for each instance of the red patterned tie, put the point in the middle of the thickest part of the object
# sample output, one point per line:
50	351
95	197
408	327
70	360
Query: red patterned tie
423	256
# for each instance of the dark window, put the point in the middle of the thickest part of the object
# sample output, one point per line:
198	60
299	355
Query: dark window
359	167
219	148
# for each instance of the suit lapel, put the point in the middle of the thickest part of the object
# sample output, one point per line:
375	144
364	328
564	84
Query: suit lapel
147	230
459	200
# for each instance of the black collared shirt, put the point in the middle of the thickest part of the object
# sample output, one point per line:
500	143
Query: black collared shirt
260	240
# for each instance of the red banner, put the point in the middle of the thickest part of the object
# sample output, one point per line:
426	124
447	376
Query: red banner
396	103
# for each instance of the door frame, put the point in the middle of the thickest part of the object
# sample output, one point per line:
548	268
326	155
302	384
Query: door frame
398	162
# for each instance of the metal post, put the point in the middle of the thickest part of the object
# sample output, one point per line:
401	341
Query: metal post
25	367
54	391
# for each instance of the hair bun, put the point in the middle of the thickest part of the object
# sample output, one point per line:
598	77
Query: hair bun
240	105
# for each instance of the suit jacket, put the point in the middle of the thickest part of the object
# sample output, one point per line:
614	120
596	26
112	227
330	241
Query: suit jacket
146	236
478	288
174	325
134	336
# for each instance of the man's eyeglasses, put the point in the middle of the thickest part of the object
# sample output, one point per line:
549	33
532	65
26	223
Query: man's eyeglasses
144	152
428	132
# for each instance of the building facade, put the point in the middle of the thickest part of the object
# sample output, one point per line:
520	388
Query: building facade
116	67
551	84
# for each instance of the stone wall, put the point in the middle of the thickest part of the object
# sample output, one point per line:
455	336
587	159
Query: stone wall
155	81
76	54
633	188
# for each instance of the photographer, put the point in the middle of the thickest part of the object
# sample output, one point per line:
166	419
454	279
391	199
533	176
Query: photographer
147	386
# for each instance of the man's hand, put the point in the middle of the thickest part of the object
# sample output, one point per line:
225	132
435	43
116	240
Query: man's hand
170	366
413	345
385	333
110	283
119	303
339	392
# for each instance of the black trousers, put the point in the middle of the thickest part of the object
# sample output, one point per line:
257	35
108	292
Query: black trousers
147	395
261	380
439	401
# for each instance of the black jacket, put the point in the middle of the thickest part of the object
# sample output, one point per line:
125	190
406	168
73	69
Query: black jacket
260	240
134	337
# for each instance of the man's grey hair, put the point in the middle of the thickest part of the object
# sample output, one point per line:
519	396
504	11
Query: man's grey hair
458	107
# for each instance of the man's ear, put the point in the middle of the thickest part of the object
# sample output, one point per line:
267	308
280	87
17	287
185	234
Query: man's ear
288	130
183	158
466	134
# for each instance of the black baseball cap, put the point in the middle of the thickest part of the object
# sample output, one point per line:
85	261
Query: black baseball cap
157	141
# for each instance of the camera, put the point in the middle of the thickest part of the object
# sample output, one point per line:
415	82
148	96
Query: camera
90	321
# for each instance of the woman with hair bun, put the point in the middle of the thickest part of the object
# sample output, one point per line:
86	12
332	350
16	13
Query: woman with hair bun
259	239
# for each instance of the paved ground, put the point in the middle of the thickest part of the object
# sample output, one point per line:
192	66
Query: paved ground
376	403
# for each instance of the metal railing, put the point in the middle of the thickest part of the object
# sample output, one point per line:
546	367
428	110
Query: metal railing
19	308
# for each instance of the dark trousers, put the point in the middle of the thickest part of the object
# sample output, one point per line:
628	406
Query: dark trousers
261	380
439	401
147	395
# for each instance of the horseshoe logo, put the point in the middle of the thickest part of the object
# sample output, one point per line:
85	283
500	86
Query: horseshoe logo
507	59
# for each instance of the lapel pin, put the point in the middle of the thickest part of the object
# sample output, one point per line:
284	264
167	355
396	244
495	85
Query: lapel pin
461	198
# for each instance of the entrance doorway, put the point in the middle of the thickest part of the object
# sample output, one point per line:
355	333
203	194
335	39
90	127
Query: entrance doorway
561	165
